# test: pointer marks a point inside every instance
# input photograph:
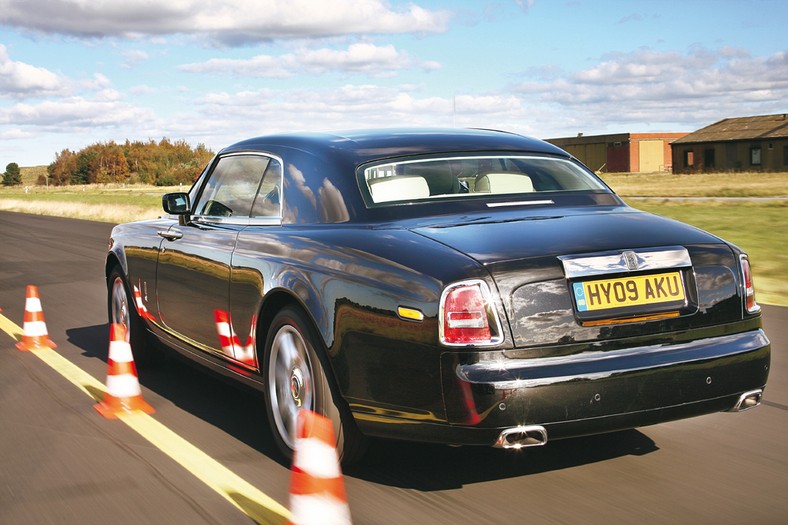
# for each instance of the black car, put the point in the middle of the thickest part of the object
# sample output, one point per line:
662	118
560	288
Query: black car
466	287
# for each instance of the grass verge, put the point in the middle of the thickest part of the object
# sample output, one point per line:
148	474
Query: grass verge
757	227
698	185
106	203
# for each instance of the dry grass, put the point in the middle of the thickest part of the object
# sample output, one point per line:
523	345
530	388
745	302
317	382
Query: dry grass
113	203
113	213
755	226
698	185
30	175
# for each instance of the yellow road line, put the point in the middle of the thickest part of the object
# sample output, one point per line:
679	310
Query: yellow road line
255	503
10	328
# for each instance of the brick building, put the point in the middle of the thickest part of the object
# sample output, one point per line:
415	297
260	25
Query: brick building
622	152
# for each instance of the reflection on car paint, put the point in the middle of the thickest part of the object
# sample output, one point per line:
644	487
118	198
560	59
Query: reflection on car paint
142	310
229	341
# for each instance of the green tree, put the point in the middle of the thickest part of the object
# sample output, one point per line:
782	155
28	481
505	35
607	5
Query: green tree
85	172
12	175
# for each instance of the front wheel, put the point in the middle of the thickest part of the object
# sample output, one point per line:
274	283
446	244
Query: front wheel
121	310
296	379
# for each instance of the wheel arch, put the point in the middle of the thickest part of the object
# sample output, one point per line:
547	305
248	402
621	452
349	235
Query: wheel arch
274	302
116	257
297	288
112	261
116	261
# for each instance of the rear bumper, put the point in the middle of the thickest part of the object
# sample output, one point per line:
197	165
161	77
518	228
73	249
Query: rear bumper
590	392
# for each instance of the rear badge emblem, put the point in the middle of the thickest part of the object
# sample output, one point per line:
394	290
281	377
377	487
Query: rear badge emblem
631	259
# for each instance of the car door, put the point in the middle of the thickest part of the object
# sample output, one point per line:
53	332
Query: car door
254	254
193	274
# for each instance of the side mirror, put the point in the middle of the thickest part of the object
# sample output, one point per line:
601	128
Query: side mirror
176	203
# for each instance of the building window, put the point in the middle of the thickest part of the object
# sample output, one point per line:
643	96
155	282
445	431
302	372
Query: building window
785	155
708	158
689	159
755	156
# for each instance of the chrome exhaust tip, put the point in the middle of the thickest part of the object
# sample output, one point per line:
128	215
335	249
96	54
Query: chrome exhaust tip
748	400
521	437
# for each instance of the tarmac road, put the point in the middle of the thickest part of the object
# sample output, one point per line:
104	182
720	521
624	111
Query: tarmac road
60	462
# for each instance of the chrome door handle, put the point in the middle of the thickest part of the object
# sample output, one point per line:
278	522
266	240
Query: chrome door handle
170	235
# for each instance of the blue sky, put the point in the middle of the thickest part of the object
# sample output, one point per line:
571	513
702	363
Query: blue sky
77	72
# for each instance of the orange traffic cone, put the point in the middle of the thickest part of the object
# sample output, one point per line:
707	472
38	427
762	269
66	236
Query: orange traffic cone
123	387
317	492
34	330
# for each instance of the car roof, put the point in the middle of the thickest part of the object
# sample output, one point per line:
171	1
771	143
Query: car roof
360	146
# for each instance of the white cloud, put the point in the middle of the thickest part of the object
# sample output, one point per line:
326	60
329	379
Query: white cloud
231	22
362	58
18	79
142	89
650	86
15	134
264	66
96	83
487	104
525	5
235	115
106	110
134	57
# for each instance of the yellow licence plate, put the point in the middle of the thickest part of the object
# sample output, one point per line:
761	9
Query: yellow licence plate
629	291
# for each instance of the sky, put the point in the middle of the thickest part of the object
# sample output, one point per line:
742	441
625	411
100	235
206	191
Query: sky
213	72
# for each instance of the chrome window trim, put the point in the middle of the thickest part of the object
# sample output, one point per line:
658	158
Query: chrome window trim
238	221
363	179
209	220
279	216
243	221
624	261
265	221
519	203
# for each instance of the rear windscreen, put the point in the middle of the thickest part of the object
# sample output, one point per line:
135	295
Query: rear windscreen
473	177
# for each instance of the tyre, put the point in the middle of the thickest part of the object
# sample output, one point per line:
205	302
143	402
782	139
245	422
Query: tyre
121	310
296	378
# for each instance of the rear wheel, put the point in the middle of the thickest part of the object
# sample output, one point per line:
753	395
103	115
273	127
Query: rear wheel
121	310
296	379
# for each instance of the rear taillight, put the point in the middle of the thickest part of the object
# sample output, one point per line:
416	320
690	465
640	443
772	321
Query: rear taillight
749	289
467	315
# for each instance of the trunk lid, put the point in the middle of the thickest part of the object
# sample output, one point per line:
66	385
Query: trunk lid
522	254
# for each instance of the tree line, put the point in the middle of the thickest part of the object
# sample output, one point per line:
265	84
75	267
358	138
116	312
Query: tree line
162	163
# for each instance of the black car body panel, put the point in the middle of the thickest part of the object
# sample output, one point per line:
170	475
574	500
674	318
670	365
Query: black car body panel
373	278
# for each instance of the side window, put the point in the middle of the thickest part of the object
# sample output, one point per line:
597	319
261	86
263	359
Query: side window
232	186
195	189
267	203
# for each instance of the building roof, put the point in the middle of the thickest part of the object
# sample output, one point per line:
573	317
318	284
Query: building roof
742	128
614	137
